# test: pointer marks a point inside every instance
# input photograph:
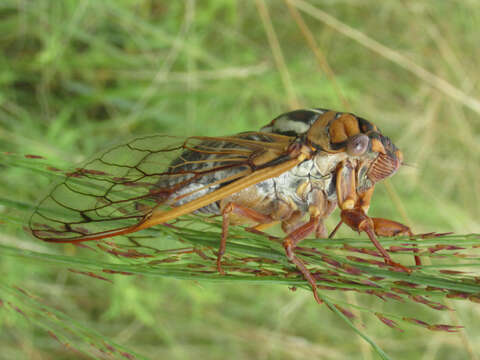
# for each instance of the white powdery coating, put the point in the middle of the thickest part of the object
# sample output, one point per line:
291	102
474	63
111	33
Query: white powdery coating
285	124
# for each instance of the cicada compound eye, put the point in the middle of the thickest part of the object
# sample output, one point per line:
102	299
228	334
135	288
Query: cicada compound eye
357	144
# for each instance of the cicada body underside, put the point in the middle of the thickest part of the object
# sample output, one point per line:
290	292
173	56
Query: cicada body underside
296	170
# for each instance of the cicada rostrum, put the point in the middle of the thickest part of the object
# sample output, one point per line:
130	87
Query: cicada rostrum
295	171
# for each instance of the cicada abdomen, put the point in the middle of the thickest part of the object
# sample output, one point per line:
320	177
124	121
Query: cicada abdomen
215	162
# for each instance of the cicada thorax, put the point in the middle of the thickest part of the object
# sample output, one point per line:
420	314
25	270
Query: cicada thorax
326	130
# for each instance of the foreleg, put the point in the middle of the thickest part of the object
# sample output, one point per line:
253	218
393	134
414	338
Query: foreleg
354	207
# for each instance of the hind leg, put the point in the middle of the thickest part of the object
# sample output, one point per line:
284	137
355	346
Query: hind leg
243	212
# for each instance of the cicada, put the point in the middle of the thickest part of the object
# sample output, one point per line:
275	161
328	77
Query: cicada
295	171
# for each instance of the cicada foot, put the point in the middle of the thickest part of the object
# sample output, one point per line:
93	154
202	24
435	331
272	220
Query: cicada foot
359	221
432	235
291	241
398	266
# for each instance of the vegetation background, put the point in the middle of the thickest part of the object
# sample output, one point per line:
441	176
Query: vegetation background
78	76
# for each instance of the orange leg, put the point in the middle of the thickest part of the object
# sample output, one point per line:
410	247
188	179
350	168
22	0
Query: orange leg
291	241
264	226
334	231
359	221
244	212
354	207
385	227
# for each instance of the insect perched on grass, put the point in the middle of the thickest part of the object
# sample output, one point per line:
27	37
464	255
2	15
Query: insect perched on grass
303	163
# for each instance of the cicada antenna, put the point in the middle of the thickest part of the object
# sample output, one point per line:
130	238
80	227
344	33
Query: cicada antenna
409	165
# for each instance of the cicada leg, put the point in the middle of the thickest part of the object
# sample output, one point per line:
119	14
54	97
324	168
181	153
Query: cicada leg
334	231
291	241
354	208
385	227
241	211
359	221
264	226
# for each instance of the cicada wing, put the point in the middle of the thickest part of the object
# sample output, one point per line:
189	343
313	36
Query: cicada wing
117	192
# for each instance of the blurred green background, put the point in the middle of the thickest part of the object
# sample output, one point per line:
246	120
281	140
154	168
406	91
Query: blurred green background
78	76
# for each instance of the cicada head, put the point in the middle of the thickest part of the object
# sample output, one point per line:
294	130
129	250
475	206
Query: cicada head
377	156
381	160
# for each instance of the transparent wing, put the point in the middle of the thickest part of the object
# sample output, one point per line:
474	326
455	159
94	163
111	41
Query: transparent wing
120	188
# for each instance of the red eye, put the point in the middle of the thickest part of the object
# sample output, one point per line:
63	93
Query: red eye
357	145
